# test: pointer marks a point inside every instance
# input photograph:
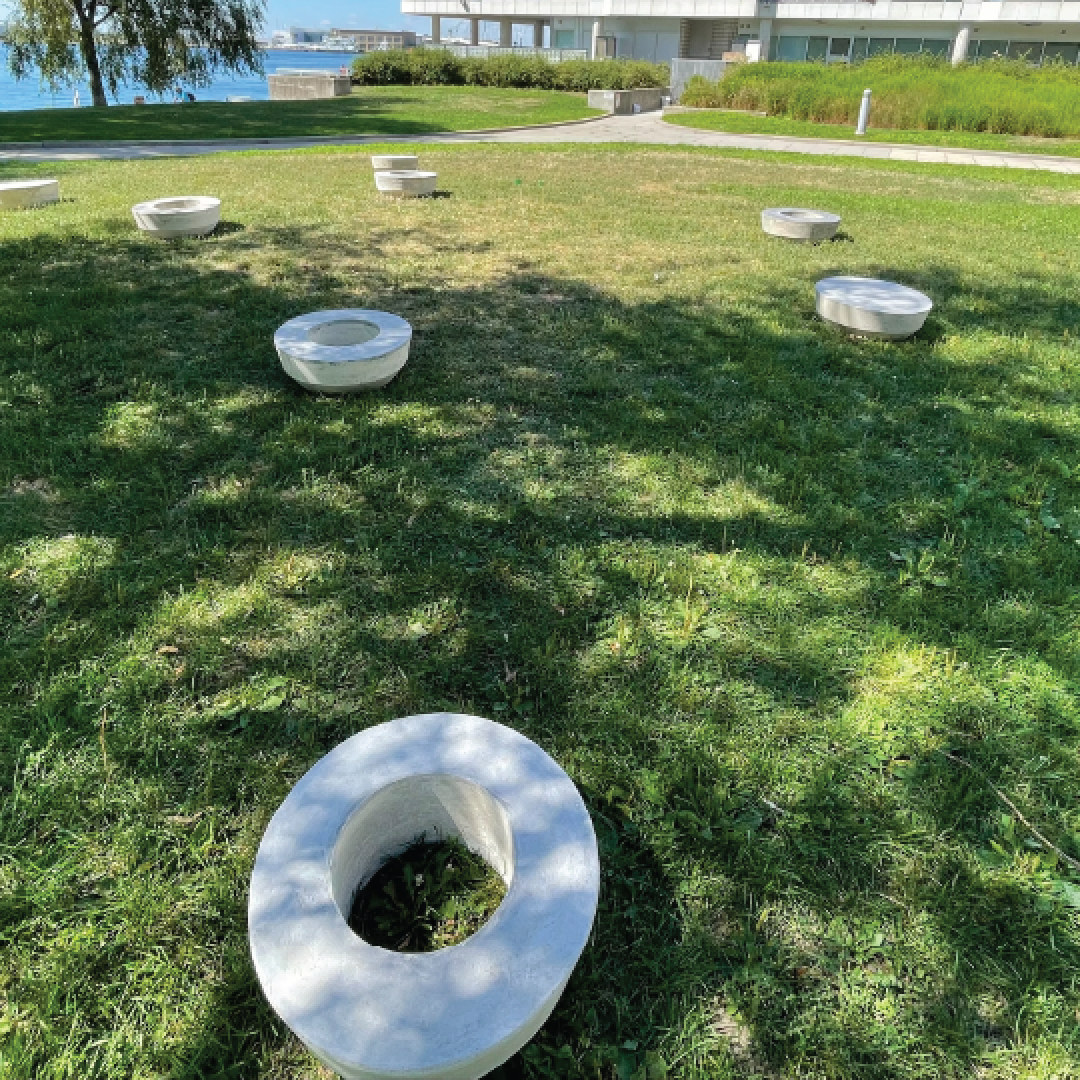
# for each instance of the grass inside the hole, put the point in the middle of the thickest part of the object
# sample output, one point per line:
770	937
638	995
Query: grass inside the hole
427	898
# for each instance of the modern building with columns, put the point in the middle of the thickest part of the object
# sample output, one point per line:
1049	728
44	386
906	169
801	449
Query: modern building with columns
662	30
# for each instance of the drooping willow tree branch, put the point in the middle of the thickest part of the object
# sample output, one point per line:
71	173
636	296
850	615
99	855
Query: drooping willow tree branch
153	44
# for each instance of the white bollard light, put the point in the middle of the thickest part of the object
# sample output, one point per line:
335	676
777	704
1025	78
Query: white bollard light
864	113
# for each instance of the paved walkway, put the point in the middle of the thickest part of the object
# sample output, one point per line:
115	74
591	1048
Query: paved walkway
645	128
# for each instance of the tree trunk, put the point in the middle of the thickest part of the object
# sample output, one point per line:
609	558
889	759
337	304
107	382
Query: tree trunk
88	47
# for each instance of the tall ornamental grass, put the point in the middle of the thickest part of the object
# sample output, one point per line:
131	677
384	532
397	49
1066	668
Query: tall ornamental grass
439	67
922	92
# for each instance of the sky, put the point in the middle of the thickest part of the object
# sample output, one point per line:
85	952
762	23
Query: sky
352	14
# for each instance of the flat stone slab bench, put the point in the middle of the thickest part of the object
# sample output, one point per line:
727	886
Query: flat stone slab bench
23	194
455	1014
792	223
872	308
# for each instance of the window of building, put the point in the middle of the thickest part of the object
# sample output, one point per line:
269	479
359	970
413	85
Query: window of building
1060	54
1031	51
564	39
906	46
816	49
987	49
860	49
881	45
791	49
839	49
937	46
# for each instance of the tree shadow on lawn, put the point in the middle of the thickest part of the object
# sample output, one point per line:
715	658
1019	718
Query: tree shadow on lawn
510	528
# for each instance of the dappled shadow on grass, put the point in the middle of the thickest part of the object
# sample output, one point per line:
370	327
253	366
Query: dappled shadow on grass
689	549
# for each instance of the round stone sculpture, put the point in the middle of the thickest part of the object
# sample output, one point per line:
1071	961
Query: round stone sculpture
794	224
23	194
868	307
178	216
405	183
383	162
338	352
373	1014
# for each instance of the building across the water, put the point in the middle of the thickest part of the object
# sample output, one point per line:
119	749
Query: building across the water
663	30
378	40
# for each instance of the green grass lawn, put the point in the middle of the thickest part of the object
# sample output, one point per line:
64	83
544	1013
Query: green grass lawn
398	110
759	588
749	124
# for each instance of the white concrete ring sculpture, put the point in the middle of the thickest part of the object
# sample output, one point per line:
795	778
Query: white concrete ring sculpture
872	308
181	215
23	194
382	162
338	352
406	183
373	1014
794	224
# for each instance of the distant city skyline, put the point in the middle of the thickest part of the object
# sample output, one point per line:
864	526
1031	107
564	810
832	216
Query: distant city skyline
371	15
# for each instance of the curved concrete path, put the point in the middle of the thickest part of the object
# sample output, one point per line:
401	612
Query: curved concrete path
645	128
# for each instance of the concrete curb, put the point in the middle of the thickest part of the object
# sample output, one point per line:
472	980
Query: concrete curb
919	148
293	140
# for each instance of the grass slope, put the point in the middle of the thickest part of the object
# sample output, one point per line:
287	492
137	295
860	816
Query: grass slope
368	110
759	588
910	92
748	124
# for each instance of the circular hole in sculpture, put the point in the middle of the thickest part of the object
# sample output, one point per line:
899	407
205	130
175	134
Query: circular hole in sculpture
427	898
178	204
424	864
343	332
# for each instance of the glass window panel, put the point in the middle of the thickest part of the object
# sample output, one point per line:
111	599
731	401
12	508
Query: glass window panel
1031	51
1062	53
936	47
816	48
792	49
859	52
987	49
879	45
839	46
908	45
564	39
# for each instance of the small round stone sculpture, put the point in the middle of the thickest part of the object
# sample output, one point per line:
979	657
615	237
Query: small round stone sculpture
24	194
340	352
792	223
868	307
178	216
384	162
372	1014
406	183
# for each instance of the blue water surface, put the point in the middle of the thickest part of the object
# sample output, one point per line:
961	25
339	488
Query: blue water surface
30	94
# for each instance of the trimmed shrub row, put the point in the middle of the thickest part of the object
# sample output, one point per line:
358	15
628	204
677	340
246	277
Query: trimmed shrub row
910	93
438	67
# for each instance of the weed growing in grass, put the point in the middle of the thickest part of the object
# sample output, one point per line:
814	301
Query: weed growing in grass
754	585
426	898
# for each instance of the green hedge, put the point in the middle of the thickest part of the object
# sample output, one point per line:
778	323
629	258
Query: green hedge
438	67
910	93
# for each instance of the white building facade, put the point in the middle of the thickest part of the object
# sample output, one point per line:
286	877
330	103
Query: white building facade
663	30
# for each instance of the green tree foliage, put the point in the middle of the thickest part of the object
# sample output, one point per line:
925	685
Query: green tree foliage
151	43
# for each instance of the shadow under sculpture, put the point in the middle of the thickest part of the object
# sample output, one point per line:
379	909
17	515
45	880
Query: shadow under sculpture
458	1013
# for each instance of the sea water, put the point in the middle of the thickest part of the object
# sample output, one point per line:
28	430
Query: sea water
28	93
